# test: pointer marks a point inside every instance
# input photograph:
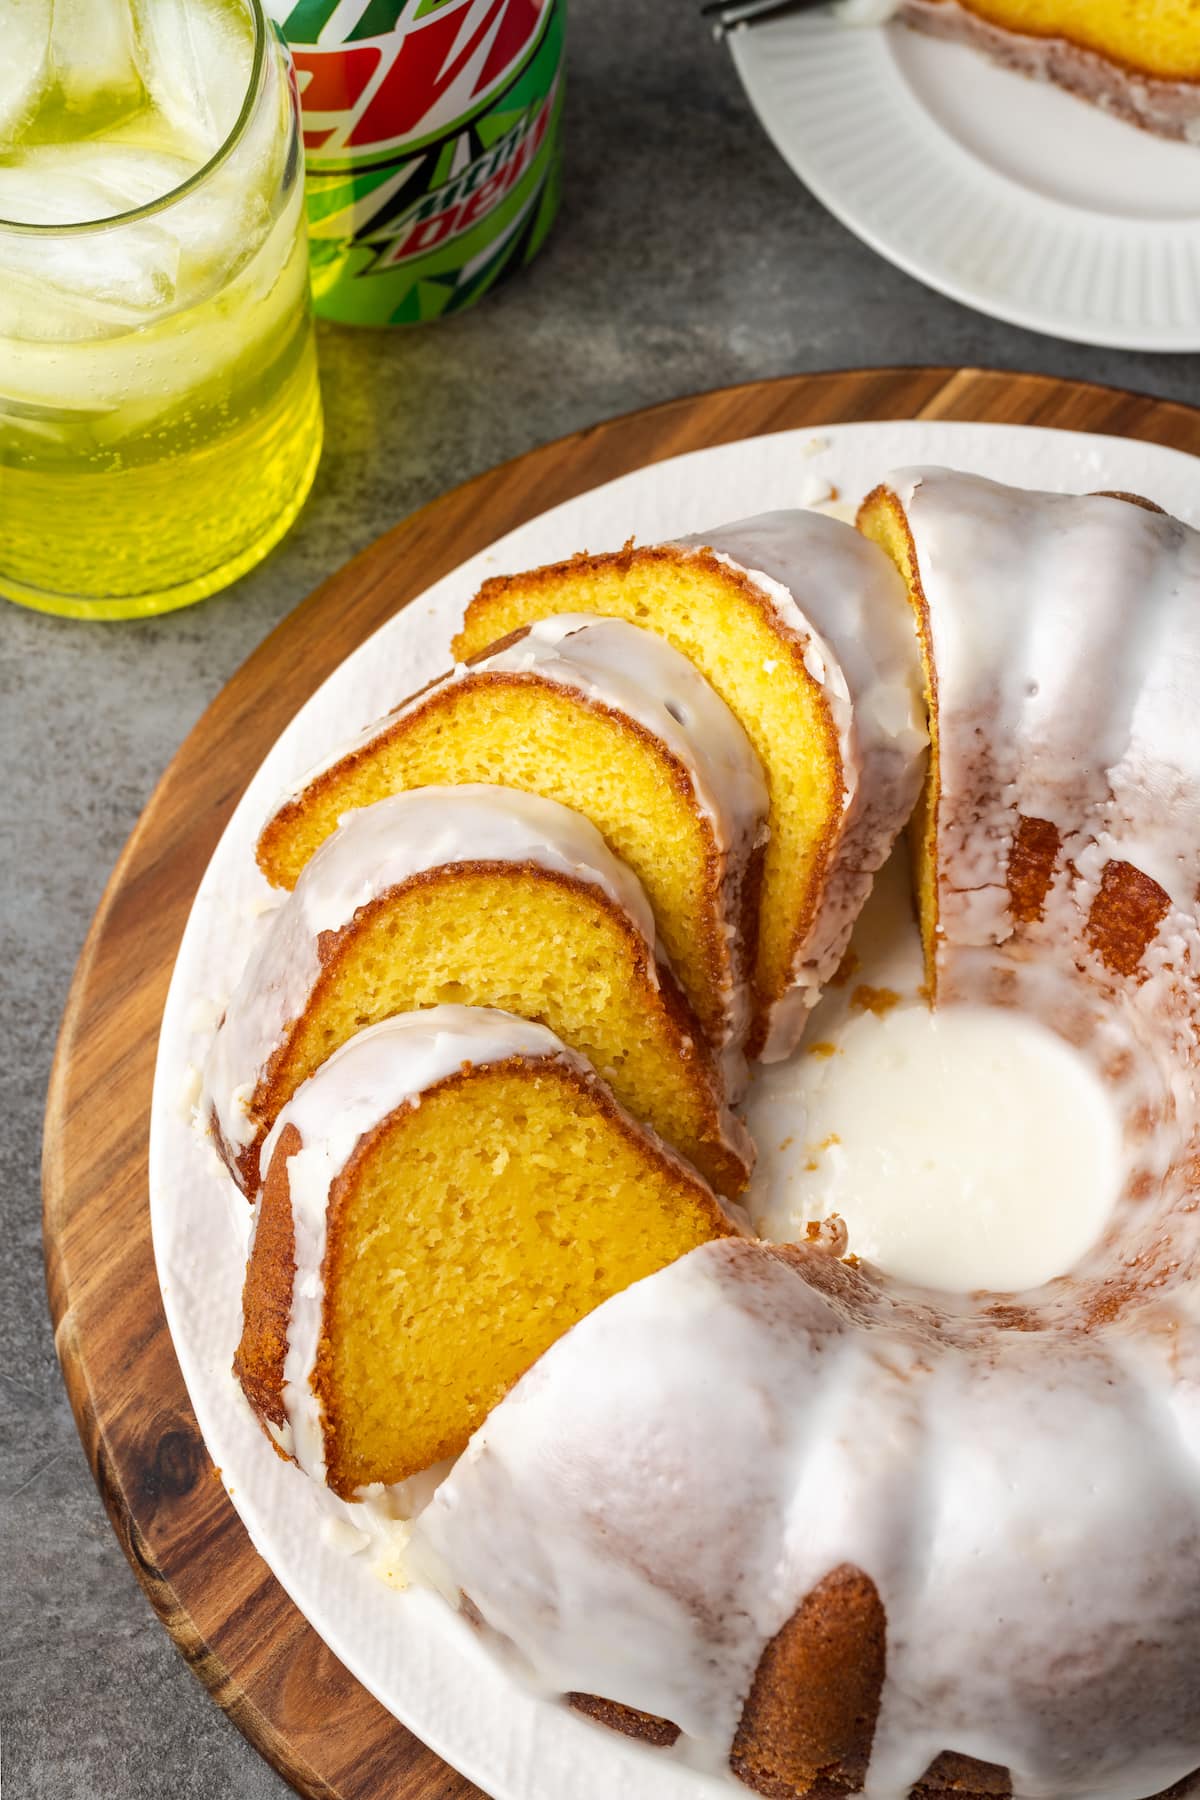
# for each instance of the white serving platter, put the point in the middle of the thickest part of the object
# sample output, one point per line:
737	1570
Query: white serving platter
408	1647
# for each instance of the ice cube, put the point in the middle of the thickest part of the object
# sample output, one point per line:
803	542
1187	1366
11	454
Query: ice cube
195	58
43	190
133	267
130	268
24	64
92	49
32	313
72	184
133	176
218	227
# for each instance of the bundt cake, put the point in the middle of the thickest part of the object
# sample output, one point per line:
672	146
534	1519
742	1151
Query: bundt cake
761	1506
485	896
1139	59
795	621
608	720
840	1535
444	1198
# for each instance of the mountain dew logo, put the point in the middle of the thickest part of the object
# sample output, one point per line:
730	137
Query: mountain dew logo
377	76
433	153
468	194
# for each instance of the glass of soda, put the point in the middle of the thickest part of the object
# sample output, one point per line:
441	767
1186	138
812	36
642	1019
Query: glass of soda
160	421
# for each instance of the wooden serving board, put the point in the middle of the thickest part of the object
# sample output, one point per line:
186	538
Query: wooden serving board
243	1637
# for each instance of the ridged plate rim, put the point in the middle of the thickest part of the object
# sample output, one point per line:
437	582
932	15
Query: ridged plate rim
836	105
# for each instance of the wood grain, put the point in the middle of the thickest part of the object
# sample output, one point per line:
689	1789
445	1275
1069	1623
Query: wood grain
245	1640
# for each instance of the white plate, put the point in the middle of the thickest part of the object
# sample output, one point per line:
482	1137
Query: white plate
1005	193
409	1648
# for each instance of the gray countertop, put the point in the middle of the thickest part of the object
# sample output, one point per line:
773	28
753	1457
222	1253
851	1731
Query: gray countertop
686	257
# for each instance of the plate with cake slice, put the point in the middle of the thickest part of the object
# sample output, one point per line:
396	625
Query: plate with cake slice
1040	163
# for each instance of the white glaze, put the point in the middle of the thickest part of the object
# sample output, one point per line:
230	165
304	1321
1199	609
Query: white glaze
1018	586
662	1490
376	848
383	1068
964	1148
620	666
656	1497
842	599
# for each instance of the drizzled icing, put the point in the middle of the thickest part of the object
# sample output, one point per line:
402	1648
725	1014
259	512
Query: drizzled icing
1065	640
1018	1474
383	1068
632	671
841	598
376	848
654	1500
844	1127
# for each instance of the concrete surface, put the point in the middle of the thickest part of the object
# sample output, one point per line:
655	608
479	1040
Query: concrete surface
687	257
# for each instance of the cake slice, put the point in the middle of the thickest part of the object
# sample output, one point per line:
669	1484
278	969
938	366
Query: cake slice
803	631
612	722
444	1198
488	897
1139	59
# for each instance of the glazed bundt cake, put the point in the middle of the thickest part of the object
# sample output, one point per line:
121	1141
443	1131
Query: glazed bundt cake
1139	59
483	896
795	622
612	722
761	1506
443	1199
931	1543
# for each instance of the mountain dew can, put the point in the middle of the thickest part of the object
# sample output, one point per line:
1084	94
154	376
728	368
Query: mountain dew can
432	140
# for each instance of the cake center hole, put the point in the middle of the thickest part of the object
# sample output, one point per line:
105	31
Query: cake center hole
968	1148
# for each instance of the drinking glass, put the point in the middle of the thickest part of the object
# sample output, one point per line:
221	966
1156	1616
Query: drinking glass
160	419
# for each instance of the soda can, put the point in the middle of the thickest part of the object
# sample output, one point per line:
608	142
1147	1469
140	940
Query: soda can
432	139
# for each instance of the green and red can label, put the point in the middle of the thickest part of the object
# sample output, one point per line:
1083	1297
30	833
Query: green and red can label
432	136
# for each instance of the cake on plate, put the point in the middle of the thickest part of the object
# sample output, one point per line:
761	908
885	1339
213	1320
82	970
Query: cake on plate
930	1543
1139	59
760	1505
484	896
606	719
798	624
378	1334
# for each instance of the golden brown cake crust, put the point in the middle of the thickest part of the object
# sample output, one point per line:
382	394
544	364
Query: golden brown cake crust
656	985
267	1293
646	1727
628	561
951	1776
809	1721
1031	867
1126	912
